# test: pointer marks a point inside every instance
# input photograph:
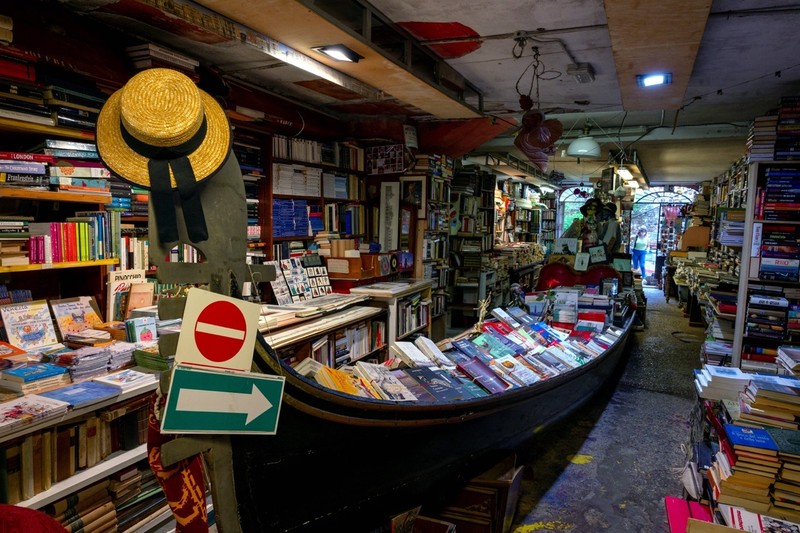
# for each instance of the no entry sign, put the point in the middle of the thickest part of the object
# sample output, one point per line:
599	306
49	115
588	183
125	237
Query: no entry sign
217	331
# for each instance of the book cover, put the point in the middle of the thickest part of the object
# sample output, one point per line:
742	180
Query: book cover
410	354
32	372
28	409
125	379
438	383
83	394
139	295
483	375
29	325
74	315
492	345
750	437
8	350
518	372
382	379
470	349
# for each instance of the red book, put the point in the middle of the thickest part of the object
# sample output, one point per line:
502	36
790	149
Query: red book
680	510
25	156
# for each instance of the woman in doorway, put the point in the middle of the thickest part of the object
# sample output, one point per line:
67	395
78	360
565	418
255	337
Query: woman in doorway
641	241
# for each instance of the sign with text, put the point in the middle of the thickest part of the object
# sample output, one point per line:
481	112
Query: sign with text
213	401
217	331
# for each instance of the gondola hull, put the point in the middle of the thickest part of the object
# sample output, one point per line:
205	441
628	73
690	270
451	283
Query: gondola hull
340	462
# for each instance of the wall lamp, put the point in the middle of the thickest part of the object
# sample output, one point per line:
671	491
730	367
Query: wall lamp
339	52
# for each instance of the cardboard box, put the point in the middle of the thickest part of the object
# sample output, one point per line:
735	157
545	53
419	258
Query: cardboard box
351	267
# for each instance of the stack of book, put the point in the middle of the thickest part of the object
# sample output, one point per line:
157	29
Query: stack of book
84	363
14	236
720	382
21	98
779	198
789	358
35	377
29	409
766	316
752	467
786	489
80	176
21	169
787	141
91	509
73	105
149	55
137	496
760	145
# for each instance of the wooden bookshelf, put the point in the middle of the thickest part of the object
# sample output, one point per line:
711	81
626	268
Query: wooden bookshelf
52	266
54	196
20	126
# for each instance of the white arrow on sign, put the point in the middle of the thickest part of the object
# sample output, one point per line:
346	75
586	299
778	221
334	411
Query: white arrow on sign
253	404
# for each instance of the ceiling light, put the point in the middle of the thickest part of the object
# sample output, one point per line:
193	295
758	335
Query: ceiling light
624	173
653	80
546	189
339	52
584	146
633	184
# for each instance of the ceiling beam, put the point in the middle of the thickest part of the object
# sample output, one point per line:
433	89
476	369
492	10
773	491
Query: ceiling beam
655	36
300	27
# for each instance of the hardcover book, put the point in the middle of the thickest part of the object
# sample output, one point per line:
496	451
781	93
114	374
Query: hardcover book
747	438
74	315
32	372
410	354
28	325
518	372
437	382
483	375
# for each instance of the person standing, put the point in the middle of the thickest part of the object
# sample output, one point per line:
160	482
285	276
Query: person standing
639	245
612	232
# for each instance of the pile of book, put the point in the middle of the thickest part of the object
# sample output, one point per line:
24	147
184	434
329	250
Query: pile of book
779	197
513	350
33	378
149	55
29	409
787	141
84	176
766	316
14	234
73	105
760	145
137	497
714	382
20	169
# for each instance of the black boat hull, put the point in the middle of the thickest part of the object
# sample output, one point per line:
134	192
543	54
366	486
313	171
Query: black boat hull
351	464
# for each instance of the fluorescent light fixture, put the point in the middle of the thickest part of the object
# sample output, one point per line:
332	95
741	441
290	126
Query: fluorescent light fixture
653	80
546	189
624	173
339	52
633	184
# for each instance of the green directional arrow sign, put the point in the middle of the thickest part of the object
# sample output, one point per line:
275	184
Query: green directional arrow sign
213	401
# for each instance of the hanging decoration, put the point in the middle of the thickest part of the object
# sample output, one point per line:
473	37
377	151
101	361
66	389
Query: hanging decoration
537	136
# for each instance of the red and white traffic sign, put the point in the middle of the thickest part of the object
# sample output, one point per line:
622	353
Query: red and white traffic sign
217	331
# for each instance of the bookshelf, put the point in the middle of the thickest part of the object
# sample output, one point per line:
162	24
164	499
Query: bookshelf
770	255
408	306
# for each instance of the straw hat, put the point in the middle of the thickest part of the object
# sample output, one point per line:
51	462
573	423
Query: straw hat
159	114
598	206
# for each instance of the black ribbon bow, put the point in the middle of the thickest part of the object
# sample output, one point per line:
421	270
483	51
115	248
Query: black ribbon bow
160	160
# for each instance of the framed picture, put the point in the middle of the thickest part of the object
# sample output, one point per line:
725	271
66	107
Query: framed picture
582	261
389	225
622	262
597	254
413	191
609	287
566	246
627	279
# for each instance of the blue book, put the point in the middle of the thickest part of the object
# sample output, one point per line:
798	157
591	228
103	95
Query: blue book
26	374
471	350
751	438
80	395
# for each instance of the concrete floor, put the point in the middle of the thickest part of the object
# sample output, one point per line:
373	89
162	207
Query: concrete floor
609	465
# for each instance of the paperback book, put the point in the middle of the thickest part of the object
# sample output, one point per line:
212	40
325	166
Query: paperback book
83	394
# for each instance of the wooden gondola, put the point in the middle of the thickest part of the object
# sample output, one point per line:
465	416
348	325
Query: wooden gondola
343	463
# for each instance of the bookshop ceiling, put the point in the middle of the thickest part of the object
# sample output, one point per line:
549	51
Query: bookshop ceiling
457	62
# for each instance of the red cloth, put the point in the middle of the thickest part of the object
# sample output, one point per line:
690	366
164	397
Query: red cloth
15	519
182	482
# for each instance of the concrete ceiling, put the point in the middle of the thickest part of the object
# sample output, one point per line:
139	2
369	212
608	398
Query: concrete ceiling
731	60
